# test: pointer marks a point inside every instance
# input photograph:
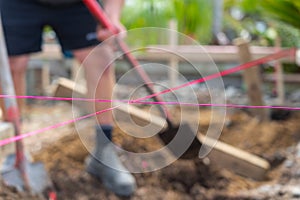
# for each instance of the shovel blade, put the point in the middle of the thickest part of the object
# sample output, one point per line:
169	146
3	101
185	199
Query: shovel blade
38	180
181	141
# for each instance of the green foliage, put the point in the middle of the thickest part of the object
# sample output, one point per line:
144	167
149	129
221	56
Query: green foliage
250	6
287	11
280	15
150	13
194	17
290	36
291	68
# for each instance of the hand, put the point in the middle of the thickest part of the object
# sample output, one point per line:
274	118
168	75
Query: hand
103	33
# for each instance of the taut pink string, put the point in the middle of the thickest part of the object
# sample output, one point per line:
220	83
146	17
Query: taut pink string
253	63
217	105
16	138
278	55
149	103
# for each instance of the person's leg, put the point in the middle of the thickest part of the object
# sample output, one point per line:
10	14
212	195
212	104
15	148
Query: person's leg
104	162
18	65
22	27
100	78
77	32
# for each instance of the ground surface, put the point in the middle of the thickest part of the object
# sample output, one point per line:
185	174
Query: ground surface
63	154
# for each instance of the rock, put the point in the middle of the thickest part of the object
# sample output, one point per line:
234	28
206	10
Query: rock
296	174
270	190
288	163
295	96
198	190
231	92
295	192
297	150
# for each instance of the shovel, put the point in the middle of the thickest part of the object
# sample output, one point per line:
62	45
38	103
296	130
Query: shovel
16	170
176	138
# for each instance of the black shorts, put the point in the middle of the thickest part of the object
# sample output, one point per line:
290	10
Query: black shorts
24	20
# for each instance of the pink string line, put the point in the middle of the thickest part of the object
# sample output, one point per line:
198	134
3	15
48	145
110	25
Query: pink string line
150	103
16	138
278	55
216	105
19	137
61	98
253	63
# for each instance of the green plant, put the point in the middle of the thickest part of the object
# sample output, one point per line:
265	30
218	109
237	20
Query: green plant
287	11
194	17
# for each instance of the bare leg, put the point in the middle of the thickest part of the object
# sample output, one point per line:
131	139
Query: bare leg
104	163
18	65
100	78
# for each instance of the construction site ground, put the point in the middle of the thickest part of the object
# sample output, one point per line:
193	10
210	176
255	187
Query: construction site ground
63	154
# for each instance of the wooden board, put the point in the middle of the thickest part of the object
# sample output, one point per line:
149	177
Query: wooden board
235	159
222	154
252	79
139	117
67	88
195	53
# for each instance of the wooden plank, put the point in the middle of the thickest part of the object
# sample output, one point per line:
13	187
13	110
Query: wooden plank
140	116
235	159
297	59
197	53
222	154
288	78
279	72
280	89
173	62
252	79
129	114
6	131
68	88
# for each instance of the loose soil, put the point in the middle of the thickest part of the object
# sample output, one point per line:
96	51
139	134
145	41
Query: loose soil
63	154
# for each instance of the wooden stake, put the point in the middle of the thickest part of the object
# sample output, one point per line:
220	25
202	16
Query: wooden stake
279	76
173	63
252	79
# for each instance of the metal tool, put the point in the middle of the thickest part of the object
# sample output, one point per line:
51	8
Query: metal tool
171	136
17	171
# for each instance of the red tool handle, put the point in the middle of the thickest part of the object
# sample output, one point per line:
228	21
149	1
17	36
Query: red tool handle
100	15
98	12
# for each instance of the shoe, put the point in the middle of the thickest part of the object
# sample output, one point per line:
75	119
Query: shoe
106	165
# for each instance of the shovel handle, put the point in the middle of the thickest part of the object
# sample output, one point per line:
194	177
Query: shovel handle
12	111
100	15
